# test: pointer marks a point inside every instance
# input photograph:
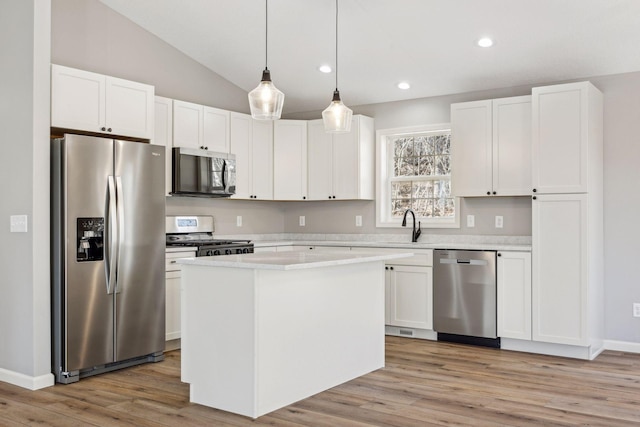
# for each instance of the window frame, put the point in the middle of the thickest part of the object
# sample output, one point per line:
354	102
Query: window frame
384	171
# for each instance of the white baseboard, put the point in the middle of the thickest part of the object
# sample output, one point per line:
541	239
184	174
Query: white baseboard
629	347
25	381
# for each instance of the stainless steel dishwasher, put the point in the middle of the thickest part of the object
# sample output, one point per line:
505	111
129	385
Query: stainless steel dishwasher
464	296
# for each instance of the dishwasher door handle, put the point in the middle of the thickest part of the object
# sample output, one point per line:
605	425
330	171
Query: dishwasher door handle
463	261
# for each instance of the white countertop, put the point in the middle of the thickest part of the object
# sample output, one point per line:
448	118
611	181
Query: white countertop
292	260
401	245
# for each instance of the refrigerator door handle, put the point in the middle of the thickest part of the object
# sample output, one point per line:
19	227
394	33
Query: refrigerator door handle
110	266
120	220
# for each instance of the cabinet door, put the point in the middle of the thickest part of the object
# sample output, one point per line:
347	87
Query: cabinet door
512	146
215	131
262	159
129	108
559	269
320	159
471	148
172	314
77	99
187	124
290	160
560	131
411	296
514	295
346	163
163	134
240	145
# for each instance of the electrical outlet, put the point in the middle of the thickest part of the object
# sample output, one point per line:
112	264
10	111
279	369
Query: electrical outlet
636	309
499	221
471	221
358	220
239	221
18	224
302	221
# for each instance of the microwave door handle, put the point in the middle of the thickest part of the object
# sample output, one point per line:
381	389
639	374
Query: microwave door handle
224	175
120	219
110	265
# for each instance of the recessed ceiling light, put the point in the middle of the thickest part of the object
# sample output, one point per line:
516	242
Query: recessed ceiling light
485	42
404	85
324	69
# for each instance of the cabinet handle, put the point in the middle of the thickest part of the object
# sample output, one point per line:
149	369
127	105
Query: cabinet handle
109	130
386	268
488	193
329	196
494	193
334	197
534	190
534	197
304	197
390	268
103	129
499	254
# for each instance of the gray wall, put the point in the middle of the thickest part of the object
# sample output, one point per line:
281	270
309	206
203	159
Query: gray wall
88	35
24	172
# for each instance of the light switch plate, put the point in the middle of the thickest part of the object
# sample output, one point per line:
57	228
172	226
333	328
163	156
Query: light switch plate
239	221
471	221
358	220
18	223
636	309
499	221
302	221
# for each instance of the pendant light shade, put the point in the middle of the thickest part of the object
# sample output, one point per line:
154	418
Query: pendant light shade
266	101
337	116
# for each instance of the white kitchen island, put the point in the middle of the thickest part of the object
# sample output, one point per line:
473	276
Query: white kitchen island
261	331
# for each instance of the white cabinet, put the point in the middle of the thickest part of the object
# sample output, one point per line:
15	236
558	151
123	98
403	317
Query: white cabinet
163	134
561	278
567	208
409	291
290	160
252	144
85	101
491	147
341	166
567	138
514	295
172	293
199	126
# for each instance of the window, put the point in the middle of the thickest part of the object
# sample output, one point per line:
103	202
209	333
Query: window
414	172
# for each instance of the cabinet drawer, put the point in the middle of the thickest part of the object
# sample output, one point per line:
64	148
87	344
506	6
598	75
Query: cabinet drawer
171	257
176	274
421	257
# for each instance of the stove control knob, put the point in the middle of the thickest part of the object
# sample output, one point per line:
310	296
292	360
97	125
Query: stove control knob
216	252
227	252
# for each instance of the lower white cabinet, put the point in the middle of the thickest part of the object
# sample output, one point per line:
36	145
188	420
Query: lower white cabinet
172	293
409	296
514	295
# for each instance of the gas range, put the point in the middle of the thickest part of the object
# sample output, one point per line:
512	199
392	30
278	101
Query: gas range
197	232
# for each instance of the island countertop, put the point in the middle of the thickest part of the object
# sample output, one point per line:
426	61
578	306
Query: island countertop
292	260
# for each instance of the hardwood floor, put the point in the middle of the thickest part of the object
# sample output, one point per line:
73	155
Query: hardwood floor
424	383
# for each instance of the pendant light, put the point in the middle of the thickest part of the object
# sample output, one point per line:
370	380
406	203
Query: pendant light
266	100
337	116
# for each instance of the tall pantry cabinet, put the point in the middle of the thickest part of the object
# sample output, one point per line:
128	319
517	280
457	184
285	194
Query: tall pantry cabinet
567	207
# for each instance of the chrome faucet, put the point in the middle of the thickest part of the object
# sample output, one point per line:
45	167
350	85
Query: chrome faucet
415	233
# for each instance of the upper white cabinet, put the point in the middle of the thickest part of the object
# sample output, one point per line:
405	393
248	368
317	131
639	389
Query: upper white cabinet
514	295
290	160
252	144
567	138
199	126
85	101
163	134
341	166
491	147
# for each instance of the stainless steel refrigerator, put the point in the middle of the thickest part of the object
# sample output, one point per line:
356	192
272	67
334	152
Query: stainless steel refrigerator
108	240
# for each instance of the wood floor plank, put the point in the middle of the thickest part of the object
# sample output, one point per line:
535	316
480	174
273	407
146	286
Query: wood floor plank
424	383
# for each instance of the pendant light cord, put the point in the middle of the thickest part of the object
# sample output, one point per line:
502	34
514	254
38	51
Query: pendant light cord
266	34
336	45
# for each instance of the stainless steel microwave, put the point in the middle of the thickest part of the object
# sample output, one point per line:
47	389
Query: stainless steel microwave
202	173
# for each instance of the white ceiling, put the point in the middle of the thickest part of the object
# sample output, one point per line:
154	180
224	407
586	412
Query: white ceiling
429	43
